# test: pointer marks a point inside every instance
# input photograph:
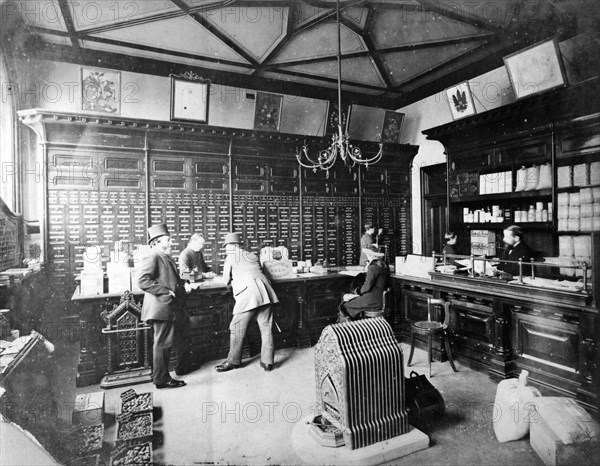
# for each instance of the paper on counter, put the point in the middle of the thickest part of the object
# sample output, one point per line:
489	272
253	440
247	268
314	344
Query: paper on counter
553	284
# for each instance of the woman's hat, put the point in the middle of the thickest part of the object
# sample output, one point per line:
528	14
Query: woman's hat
232	238
156	231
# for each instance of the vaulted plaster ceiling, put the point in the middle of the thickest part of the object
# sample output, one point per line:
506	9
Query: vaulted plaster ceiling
393	52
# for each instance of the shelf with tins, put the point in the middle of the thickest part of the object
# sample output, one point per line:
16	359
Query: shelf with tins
575	233
572	189
486	198
503	225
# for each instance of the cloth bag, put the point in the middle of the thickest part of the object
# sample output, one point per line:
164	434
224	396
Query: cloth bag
545	179
514	408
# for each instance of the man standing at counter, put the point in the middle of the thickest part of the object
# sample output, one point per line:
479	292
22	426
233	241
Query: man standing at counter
164	307
191	258
516	250
253	296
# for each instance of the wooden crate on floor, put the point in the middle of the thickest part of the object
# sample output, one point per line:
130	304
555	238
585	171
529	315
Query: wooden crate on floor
563	433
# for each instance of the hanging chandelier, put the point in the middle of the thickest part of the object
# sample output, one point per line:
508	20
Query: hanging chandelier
340	145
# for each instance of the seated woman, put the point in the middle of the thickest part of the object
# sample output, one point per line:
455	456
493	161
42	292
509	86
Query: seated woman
368	297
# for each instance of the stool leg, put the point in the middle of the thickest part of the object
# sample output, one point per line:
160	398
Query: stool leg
448	352
412	348
429	353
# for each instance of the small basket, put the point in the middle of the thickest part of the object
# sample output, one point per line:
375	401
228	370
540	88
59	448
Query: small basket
140	453
131	402
88	439
134	426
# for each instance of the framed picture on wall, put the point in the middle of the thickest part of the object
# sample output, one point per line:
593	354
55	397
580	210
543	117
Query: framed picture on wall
535	69
267	111
461	100
392	127
189	98
100	91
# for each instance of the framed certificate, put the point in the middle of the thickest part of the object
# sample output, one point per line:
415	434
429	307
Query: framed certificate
536	69
189	99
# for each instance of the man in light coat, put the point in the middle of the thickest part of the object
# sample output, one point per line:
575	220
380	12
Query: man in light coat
253	296
164	307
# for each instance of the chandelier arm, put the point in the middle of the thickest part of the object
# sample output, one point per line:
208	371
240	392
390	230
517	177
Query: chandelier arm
305	151
376	158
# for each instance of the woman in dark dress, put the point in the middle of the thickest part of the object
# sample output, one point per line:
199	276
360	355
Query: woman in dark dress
368	297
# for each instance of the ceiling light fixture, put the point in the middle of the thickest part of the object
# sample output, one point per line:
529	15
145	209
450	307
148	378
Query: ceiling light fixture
340	146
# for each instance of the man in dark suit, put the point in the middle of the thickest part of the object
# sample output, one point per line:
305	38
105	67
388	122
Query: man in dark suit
516	249
367	243
164	307
191	258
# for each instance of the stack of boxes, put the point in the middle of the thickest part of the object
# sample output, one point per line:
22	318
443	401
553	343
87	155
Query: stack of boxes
118	271
575	250
121	276
495	183
92	275
483	243
579	210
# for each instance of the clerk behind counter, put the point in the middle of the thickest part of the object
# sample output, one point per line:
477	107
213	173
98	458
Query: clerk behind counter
516	249
191	258
367	243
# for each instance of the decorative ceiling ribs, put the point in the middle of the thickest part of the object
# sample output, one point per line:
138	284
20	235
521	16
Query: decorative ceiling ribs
378	59
493	37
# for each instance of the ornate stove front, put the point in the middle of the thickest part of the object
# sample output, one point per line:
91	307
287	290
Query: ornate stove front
360	381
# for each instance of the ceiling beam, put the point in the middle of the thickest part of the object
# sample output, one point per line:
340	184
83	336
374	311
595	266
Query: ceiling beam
167	52
326	79
228	41
381	51
283	42
372	48
66	13
435	6
459	69
154	67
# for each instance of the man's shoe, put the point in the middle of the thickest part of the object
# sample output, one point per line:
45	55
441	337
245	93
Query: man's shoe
172	384
226	366
266	367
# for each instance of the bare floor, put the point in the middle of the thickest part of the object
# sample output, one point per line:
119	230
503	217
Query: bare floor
248	416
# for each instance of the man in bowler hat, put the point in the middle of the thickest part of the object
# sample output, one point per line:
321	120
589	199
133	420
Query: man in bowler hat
164	307
253	296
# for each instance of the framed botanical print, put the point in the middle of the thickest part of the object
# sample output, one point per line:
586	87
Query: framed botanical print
535	69
267	111
461	100
100	91
392	127
189	99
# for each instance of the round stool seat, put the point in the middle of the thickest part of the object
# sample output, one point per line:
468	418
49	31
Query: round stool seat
429	326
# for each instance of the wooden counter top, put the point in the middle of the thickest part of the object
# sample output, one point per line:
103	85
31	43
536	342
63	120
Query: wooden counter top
217	283
501	288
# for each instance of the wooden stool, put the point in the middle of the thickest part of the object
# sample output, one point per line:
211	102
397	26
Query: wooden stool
429	328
